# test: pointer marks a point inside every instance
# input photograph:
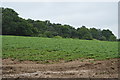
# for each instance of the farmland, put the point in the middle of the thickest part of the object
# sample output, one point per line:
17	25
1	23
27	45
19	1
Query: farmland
55	49
38	57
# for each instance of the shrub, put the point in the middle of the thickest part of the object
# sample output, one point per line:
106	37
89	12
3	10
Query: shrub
57	37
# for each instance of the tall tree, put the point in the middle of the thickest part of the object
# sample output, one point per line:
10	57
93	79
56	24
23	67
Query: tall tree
95	33
9	21
12	24
107	33
84	33
112	38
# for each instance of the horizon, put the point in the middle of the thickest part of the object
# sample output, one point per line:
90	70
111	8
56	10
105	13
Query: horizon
71	17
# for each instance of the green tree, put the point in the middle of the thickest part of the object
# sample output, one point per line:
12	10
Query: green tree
95	33
118	39
84	33
107	33
112	38
47	34
12	24
9	21
103	38
24	28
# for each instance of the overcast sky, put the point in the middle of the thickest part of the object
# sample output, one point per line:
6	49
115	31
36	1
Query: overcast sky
101	15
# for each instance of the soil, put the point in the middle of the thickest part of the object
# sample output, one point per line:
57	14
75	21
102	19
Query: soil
87	68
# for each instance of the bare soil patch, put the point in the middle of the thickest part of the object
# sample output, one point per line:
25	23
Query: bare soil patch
75	69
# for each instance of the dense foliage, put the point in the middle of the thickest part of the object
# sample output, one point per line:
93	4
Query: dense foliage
14	25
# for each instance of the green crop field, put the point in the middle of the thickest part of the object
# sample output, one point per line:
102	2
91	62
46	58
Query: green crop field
55	49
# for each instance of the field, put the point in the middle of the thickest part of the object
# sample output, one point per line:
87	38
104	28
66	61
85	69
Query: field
71	56
43	49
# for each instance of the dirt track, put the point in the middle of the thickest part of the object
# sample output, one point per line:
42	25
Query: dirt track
74	69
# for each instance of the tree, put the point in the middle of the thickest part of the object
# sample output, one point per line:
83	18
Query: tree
12	24
9	21
74	33
87	37
112	38
118	39
103	38
24	29
107	33
84	33
48	34
95	33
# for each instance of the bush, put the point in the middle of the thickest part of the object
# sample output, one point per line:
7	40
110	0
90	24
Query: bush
57	37
87	37
103	38
48	34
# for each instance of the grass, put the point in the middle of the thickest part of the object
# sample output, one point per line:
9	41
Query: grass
55	49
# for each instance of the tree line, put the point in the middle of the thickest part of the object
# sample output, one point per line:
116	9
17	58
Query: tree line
12	24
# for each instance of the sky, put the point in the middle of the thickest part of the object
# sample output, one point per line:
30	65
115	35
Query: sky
101	15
